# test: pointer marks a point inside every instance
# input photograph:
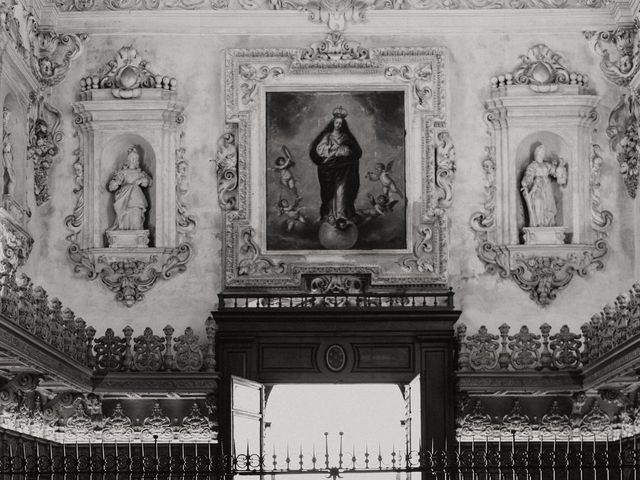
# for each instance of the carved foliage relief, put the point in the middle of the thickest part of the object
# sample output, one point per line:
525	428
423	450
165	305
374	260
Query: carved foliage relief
417	77
620	64
145	238
551	224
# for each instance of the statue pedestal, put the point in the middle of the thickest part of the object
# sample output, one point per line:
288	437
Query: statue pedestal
128	238
544	235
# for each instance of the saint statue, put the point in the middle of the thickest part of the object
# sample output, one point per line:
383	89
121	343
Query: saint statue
537	188
336	153
8	172
129	202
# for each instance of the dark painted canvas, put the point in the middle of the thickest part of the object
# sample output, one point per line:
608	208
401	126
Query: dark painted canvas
335	176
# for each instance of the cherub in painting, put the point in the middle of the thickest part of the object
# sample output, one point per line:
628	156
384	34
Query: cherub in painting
284	165
380	207
383	175
292	213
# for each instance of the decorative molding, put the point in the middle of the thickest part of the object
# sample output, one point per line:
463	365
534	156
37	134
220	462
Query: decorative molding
125	76
227	171
557	423
420	73
622	69
332	12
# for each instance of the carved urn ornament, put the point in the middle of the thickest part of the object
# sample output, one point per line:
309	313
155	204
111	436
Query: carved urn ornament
544	170
131	225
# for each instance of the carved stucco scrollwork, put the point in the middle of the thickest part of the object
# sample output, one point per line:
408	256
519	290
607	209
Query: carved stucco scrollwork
52	54
251	76
484	221
543	276
328	284
624	120
421	261
420	79
44	139
15	244
130	277
186	223
445	169
226	161
542	70
601	219
126	75
252	262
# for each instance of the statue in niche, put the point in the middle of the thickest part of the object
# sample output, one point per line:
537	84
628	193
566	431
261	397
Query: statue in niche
129	202
8	175
537	190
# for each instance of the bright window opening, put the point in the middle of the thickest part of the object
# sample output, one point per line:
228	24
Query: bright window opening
370	416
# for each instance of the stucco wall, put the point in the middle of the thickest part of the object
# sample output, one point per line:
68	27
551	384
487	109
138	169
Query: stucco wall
197	61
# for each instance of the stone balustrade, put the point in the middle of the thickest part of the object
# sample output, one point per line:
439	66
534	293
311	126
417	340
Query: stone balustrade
48	320
614	325
524	350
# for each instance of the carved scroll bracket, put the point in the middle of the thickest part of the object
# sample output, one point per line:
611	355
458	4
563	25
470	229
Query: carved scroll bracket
130	275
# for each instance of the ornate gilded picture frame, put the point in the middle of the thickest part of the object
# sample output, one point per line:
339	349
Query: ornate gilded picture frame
335	159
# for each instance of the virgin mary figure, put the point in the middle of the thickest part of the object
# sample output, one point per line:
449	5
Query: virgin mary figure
129	202
336	152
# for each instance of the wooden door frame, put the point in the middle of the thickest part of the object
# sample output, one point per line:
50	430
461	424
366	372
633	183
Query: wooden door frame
277	346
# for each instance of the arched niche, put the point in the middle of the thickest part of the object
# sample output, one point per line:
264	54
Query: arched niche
114	114
15	128
114	155
557	152
557	110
